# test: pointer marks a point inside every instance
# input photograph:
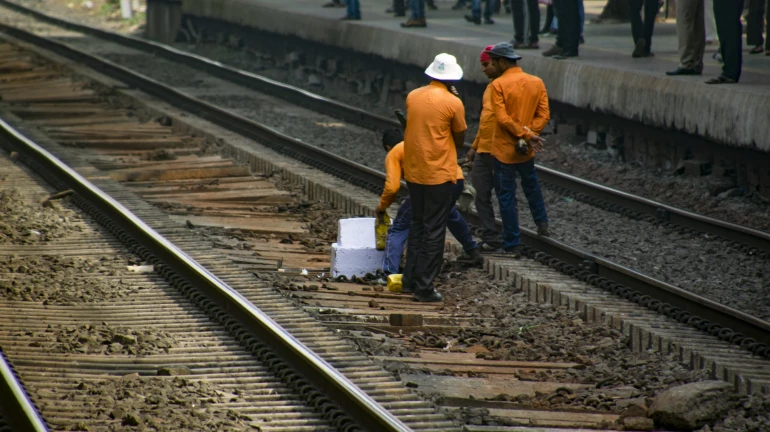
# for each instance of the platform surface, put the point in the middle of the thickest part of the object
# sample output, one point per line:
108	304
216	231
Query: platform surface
605	78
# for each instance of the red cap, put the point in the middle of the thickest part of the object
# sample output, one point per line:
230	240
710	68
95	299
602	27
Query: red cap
484	56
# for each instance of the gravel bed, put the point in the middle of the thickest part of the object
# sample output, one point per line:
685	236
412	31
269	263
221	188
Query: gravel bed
105	339
141	403
63	280
25	224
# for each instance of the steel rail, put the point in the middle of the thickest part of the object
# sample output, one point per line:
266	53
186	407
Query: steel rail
746	236
18	410
369	414
671	296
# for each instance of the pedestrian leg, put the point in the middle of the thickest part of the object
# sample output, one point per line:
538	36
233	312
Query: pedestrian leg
505	188
729	29
398	233
532	191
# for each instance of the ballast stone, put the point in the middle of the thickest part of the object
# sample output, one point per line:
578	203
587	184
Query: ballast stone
355	253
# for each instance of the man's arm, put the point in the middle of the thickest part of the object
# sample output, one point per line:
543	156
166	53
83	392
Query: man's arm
392	184
459	138
542	113
503	119
459	127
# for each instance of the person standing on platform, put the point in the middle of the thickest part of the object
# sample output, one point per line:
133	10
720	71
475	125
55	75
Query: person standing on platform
393	142
691	32
756	22
435	129
532	13
730	32
418	14
475	16
568	33
519	102
354	11
641	30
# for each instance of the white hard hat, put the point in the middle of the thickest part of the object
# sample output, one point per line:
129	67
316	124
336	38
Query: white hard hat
444	68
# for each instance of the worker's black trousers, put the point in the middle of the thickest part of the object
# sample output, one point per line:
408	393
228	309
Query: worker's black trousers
425	247
727	14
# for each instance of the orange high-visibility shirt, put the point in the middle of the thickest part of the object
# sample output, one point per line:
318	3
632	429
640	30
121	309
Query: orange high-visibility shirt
394	172
518	100
433	114
485	136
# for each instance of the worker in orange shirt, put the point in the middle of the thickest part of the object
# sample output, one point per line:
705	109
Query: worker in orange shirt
393	142
435	129
514	112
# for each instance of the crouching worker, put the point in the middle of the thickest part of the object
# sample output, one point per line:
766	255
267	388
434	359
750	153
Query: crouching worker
393	142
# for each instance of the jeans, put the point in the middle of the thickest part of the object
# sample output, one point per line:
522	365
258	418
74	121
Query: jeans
581	13
399	231
532	12
568	35
418	9
427	235
729	30
642	29
476	8
354	9
505	187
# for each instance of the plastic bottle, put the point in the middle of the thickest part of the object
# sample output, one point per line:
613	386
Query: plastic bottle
381	225
394	283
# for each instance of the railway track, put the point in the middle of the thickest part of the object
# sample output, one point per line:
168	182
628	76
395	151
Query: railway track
348	308
596	267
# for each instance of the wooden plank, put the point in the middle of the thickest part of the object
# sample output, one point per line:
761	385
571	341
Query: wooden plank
561	419
126	143
179	174
481	389
254	225
469	359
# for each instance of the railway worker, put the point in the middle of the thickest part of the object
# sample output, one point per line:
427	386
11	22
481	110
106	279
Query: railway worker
393	142
435	129
515	107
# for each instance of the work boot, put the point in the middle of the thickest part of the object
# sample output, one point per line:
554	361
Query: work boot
514	252
471	18
414	23
472	257
542	229
429	295
552	51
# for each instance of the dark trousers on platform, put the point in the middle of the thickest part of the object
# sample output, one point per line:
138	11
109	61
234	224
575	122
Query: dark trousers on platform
568	16
425	247
532	13
758	19
643	29
399	7
727	14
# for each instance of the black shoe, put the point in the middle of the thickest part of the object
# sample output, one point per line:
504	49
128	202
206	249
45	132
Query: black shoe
457	6
432	6
639	49
389	10
488	21
514	252
430	295
683	71
582	40
399	14
470	18
485	247
542	229
563	56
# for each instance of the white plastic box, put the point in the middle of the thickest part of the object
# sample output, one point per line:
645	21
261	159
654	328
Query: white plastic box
355	253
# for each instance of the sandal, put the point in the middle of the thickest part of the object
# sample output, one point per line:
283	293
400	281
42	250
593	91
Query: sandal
721	79
756	50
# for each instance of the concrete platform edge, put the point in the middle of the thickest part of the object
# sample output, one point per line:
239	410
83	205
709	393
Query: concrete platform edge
724	114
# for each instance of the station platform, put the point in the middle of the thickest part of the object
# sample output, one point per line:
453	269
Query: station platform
604	78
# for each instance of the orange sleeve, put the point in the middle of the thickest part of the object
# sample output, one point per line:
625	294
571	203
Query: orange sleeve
460	175
542	112
458	120
475	145
503	119
392	179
